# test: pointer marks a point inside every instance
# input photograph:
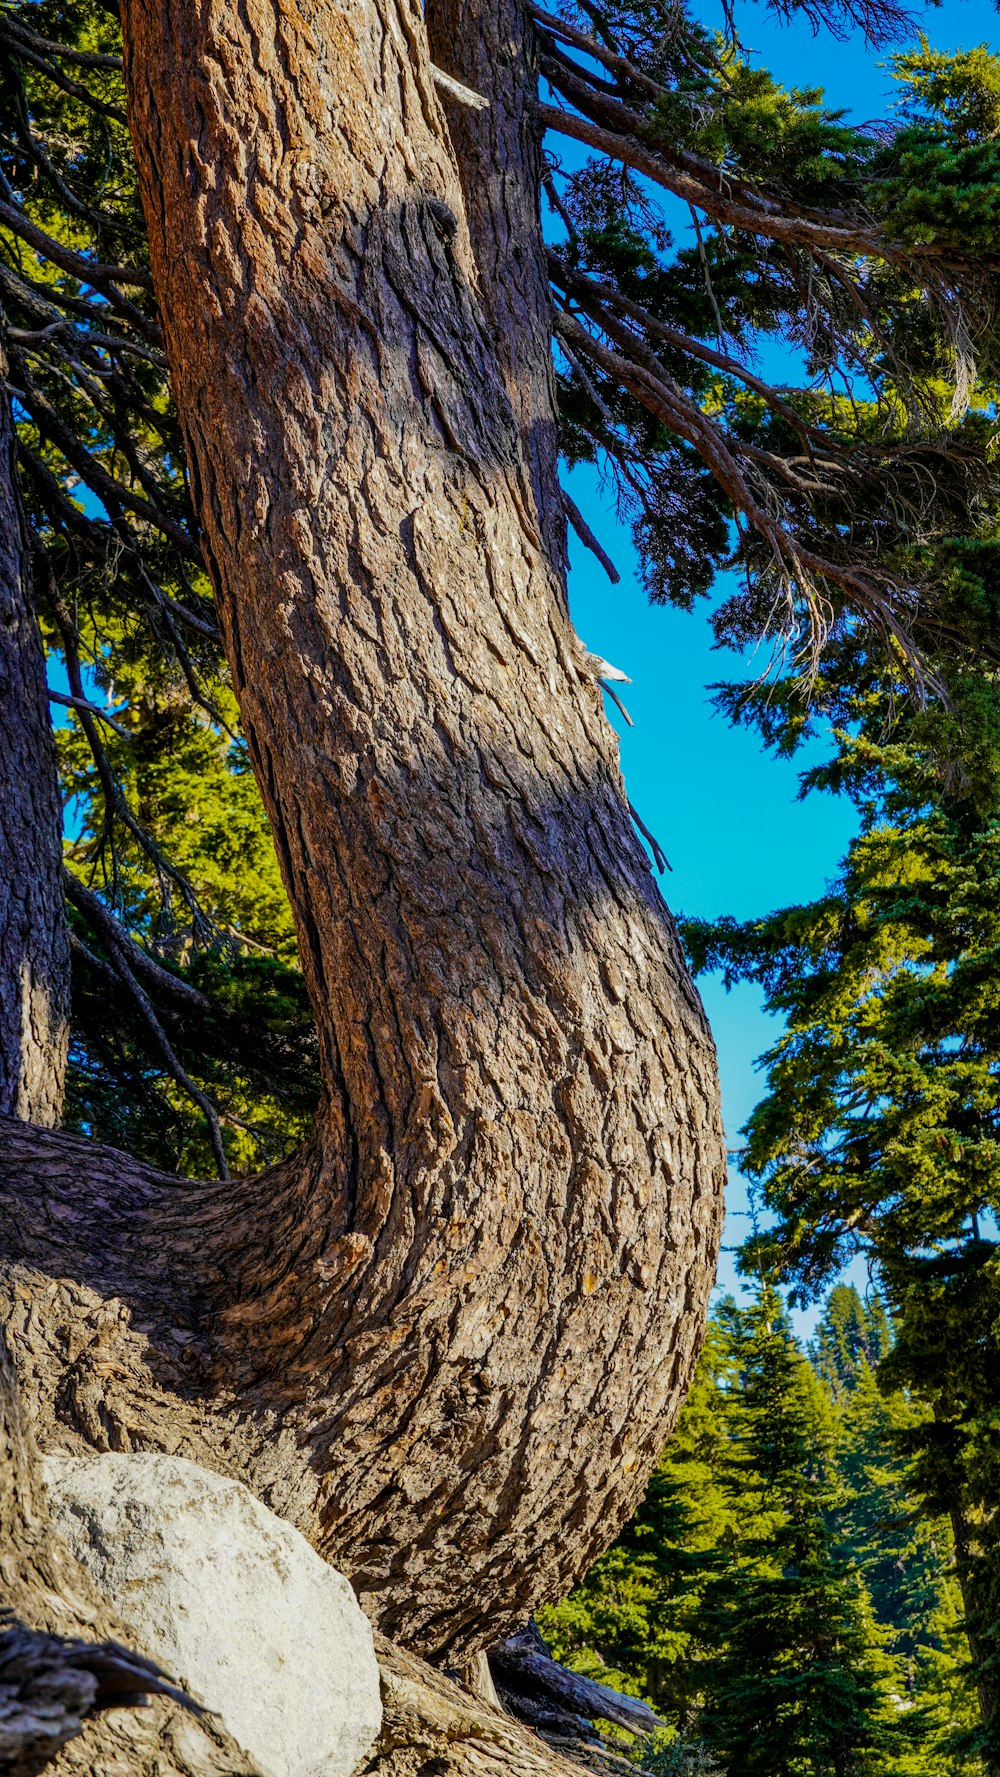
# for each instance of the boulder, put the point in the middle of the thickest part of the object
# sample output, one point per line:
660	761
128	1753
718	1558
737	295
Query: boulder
232	1601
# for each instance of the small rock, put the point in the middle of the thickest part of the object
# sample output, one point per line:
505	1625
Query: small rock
232	1601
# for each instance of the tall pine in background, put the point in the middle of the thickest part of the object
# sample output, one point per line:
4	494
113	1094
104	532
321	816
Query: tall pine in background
782	1596
852	1335
799	1682
907	1560
879	1133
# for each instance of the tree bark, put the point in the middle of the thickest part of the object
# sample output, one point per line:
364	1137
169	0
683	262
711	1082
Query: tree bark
449	1338
978	1635
434	1728
492	50
430	1725
34	977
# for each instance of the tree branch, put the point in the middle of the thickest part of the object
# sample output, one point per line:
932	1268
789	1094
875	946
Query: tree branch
795	562
587	537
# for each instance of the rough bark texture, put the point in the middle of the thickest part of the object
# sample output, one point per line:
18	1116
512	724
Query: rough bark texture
491	49
434	1728
431	1727
34	977
449	1339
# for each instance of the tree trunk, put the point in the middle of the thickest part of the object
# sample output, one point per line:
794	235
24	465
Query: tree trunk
979	1631
491	49
431	1728
449	1338
34	977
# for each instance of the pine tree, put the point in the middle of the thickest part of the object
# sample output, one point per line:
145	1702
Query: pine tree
907	1560
850	1335
647	1618
800	1685
948	1355
879	1133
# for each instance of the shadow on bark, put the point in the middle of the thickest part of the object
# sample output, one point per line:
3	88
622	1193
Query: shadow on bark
425	1301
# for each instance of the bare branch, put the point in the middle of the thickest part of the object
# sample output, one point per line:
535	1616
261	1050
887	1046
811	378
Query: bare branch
28	54
119	968
115	802
454	89
619	65
597	298
616	700
869	592
91	273
587	537
93	709
660	858
19	32
97	912
113	494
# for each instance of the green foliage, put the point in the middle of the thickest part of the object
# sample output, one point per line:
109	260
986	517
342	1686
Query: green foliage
219	919
163	816
944	180
758	126
890	370
879	1135
670	1755
800	1683
851	1337
779	1597
907	1560
189	783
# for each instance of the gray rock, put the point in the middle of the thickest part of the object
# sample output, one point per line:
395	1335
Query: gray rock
232	1601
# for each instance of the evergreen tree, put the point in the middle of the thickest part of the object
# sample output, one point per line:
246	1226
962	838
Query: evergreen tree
800	1685
907	1560
880	1130
851	1335
198	881
716	1600
948	1354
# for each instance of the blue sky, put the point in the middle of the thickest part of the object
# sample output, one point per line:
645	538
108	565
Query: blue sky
726	813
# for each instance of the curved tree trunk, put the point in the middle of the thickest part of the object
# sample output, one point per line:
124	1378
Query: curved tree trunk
34	976
520	1155
449	1338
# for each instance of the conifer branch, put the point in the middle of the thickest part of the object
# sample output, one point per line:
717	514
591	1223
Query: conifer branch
800	568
